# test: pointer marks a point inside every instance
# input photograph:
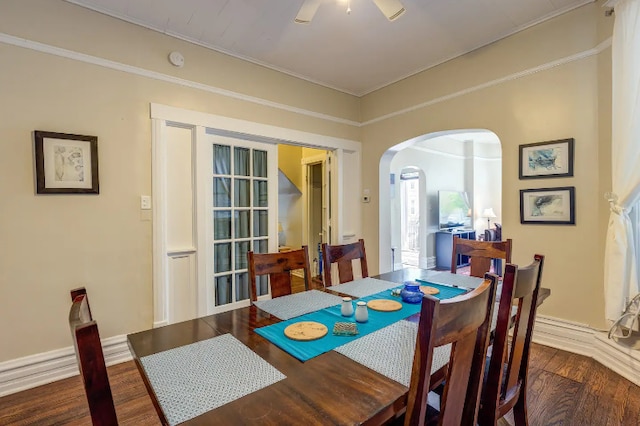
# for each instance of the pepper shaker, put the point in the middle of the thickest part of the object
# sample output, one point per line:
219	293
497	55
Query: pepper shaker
347	307
362	315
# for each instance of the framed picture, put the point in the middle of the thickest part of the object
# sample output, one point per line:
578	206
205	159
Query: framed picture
546	159
66	164
548	206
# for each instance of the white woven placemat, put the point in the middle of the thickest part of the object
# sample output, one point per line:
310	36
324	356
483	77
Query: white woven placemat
389	351
363	287
447	278
193	379
294	305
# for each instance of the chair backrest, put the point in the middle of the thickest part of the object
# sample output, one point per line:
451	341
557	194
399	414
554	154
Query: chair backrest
505	386
343	255
93	370
278	266
480	253
463	321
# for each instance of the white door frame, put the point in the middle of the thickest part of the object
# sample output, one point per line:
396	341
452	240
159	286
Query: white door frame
163	116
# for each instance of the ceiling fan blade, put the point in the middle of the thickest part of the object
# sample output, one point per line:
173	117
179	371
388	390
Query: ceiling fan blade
307	11
392	9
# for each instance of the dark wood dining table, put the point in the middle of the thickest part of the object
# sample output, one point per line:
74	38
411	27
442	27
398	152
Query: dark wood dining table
330	389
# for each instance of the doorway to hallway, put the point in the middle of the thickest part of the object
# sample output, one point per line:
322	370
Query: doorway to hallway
410	217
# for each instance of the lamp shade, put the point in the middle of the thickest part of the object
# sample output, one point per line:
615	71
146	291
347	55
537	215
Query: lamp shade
489	213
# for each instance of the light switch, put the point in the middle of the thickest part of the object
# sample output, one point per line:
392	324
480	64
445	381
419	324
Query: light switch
145	202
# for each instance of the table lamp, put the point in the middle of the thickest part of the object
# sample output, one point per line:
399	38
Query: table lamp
489	214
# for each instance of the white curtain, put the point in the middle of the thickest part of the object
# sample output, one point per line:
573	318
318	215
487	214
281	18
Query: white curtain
621	280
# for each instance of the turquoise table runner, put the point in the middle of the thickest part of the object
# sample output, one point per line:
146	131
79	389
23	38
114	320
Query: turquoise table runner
305	350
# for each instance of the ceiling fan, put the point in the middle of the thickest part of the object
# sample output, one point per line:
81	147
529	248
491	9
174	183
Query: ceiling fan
392	9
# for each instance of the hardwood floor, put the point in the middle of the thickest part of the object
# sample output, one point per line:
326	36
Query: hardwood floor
564	389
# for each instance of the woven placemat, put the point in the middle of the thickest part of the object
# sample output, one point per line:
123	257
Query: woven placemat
363	287
193	379
389	351
306	330
294	305
447	278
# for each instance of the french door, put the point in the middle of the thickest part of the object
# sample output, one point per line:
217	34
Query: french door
242	183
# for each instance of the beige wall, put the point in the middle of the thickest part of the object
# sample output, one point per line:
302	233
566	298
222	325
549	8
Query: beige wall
567	100
52	243
49	244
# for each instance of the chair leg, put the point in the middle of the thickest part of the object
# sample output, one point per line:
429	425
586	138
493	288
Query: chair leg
520	410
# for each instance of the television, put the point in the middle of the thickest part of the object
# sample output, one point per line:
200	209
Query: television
454	210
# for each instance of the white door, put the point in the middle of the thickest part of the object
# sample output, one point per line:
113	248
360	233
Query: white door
317	211
326	199
241	192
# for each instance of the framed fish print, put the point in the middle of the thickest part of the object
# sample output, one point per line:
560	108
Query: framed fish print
548	206
547	159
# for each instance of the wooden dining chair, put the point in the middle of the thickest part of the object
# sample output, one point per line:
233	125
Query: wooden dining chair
343	255
278	266
463	322
480	254
86	341
505	382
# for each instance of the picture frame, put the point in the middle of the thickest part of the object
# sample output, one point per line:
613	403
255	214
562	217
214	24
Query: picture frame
66	163
548	159
548	206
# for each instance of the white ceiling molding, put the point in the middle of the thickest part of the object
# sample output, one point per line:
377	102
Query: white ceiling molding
571	58
94	60
81	57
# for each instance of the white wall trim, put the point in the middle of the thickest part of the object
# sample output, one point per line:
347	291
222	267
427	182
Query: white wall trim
582	339
453	155
34	370
234	127
118	66
543	67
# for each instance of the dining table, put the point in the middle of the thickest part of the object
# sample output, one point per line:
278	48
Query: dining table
221	369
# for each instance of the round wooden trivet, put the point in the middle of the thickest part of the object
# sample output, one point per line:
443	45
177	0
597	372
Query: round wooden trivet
384	305
429	290
306	330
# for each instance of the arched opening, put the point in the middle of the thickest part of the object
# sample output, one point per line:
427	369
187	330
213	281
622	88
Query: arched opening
468	162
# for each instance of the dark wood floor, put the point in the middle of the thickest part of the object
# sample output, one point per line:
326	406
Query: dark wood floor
564	389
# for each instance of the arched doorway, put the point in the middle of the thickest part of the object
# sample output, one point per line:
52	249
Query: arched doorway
468	161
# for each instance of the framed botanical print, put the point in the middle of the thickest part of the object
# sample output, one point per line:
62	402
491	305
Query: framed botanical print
66	163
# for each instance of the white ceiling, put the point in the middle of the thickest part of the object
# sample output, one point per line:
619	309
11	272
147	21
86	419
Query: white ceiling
355	53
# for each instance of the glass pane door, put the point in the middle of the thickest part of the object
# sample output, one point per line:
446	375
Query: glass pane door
241	214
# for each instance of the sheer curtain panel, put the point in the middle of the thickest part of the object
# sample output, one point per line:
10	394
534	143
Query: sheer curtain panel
620	278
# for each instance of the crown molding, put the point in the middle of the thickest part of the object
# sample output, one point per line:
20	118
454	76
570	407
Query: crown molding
65	53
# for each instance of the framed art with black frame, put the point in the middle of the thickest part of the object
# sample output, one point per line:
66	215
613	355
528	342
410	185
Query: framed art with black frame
547	159
548	206
66	163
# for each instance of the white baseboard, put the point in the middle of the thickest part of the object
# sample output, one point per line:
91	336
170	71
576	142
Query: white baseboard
431	262
581	339
35	370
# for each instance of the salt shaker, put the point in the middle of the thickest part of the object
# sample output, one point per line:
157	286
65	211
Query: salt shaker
362	315
347	307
